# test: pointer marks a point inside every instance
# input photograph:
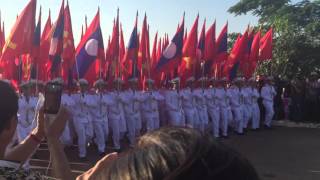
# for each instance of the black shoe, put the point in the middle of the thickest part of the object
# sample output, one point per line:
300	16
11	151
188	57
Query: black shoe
240	134
83	159
102	154
225	137
117	150
267	127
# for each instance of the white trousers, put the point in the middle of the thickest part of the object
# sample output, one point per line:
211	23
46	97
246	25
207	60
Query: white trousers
247	114
83	137
238	119
225	113
269	112
176	118
214	114
192	117
99	132
203	119
132	120
152	120
115	126
255	116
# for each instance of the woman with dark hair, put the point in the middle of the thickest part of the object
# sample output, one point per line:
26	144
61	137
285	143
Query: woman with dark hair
175	153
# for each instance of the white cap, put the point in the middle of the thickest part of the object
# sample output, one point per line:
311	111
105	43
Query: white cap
99	82
83	82
224	79
6	81
32	82
252	79
58	80
133	80
238	79
150	81
175	80
191	79
203	79
213	79
118	80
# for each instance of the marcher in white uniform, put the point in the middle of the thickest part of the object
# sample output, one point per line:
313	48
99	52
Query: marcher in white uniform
99	112
82	118
201	105
131	99
68	102
189	104
26	112
267	93
113	101
212	98
245	102
236	106
174	104
150	106
254	104
223	97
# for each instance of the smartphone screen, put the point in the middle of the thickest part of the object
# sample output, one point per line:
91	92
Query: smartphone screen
52	100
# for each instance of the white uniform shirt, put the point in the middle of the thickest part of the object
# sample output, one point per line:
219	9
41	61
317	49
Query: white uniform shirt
235	96
150	101
99	109
82	107
114	105
188	99
200	99
223	97
212	98
173	100
131	101
268	92
26	112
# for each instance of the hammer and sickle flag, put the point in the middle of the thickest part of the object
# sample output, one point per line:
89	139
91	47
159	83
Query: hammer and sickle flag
21	35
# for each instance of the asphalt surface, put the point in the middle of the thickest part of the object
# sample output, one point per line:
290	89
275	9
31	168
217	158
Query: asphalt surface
278	154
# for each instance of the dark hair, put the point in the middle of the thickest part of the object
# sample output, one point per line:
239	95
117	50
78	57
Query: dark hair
8	104
180	153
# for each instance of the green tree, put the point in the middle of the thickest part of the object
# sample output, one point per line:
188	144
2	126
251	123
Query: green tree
296	37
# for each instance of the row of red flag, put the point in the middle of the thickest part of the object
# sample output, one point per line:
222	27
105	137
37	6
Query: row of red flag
29	54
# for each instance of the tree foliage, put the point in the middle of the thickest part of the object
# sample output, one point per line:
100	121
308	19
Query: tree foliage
296	37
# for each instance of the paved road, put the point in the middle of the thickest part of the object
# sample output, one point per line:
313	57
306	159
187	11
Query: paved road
278	154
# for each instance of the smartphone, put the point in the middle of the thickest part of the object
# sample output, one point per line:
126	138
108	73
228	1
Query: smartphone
52	95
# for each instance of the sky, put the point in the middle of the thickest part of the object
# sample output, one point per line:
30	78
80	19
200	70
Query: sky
163	15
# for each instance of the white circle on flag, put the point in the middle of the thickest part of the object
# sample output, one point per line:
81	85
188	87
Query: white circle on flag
170	51
92	47
53	46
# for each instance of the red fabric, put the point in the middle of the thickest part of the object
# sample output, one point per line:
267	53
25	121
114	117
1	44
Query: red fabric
190	52
143	54
254	55
154	51
266	46
68	54
210	43
221	57
2	38
44	50
236	54
245	61
21	35
113	52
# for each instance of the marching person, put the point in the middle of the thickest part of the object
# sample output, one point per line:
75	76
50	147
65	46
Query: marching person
82	118
174	104
201	105
131	99
26	112
189	103
236	106
267	93
113	101
99	112
212	97
150	106
223	97
254	104
246	101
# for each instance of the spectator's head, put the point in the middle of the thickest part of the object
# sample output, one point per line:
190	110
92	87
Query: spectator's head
8	113
179	153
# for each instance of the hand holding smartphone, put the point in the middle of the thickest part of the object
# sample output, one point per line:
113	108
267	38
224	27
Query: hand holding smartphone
52	102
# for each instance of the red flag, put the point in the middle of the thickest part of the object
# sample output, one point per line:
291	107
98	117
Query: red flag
143	59
254	55
245	61
188	68
222	52
122	46
114	53
2	37
266	46
21	36
44	50
210	49
68	54
154	51
235	57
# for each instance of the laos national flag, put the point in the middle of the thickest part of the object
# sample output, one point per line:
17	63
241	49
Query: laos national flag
171	56
56	44
89	49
